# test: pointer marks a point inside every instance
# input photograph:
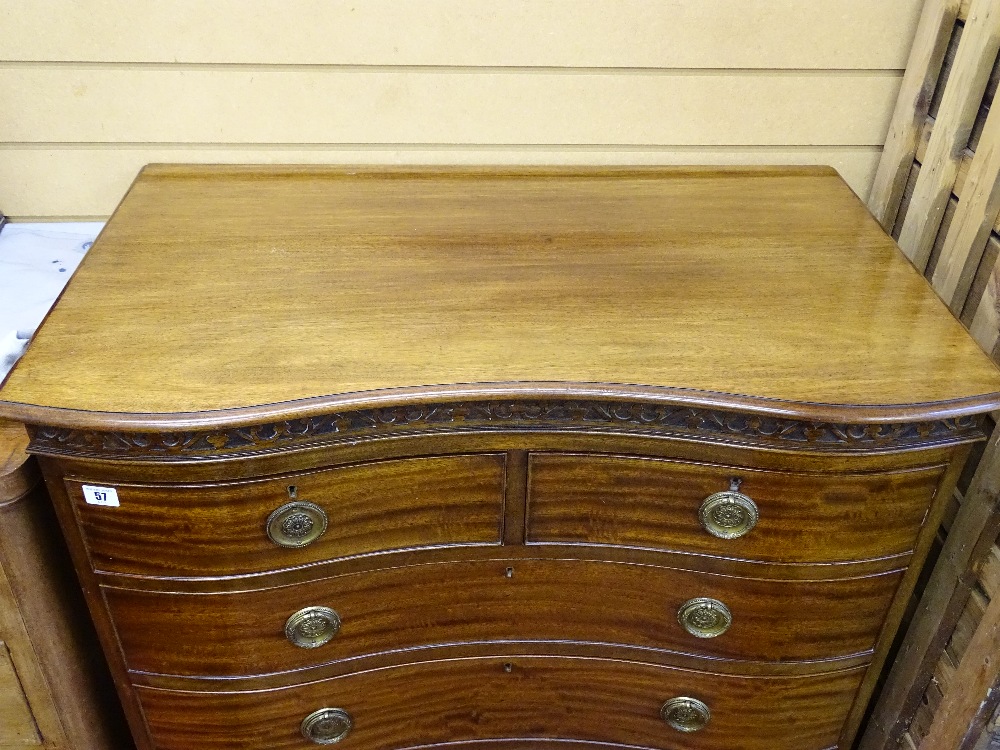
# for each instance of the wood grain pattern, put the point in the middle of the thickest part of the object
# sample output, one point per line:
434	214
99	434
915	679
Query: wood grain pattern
45	182
912	106
973	63
220	529
427	608
974	220
18	474
442	314
651	503
471	699
43	620
435	240
969	541
618	33
967	707
17	725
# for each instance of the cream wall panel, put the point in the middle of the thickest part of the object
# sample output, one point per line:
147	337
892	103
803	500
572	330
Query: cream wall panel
89	182
589	33
56	103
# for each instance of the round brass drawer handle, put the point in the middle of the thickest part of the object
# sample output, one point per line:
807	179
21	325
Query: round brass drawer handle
327	726
312	626
729	514
296	524
685	714
704	617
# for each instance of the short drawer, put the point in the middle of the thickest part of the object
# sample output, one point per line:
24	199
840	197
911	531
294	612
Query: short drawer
532	699
223	529
447	604
655	503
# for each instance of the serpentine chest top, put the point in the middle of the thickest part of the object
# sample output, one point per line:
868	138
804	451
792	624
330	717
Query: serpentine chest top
400	458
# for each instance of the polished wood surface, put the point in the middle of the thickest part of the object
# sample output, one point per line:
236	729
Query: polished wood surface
641	502
499	602
596	700
220	529
692	284
510	392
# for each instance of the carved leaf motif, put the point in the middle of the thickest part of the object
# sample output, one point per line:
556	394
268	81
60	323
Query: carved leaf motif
654	419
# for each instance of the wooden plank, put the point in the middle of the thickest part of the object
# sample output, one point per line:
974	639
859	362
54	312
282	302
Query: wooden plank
363	106
981	280
989	573
973	64
603	33
944	674
17	726
46	182
977	214
946	68
966	625
967	706
949	214
984	109
948	590
912	105
911	182
985	326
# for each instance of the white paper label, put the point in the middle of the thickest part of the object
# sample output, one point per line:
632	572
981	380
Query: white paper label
100	495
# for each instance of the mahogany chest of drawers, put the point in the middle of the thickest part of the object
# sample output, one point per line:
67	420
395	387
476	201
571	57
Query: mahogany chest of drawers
481	458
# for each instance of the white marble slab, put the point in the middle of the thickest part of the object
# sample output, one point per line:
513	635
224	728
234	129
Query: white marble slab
36	261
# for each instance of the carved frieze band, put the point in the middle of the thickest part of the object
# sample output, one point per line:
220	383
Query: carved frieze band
607	416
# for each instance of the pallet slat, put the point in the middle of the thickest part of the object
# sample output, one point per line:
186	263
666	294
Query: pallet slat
912	107
989	573
967	706
977	214
985	326
948	590
974	61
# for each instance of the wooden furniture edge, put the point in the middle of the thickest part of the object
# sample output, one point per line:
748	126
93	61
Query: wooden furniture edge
257	429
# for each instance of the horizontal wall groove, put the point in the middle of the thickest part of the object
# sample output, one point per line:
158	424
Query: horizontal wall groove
452	69
336	146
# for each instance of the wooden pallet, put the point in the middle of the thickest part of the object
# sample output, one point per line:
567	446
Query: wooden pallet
937	190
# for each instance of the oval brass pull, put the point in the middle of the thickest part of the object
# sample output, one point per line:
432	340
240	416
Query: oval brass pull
312	626
296	524
327	726
703	617
729	514
685	714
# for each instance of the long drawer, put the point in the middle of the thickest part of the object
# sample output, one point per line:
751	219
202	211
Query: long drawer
656	503
529	698
239	527
443	604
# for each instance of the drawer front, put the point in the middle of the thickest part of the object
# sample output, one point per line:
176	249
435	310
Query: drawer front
476	602
592	700
654	503
213	530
